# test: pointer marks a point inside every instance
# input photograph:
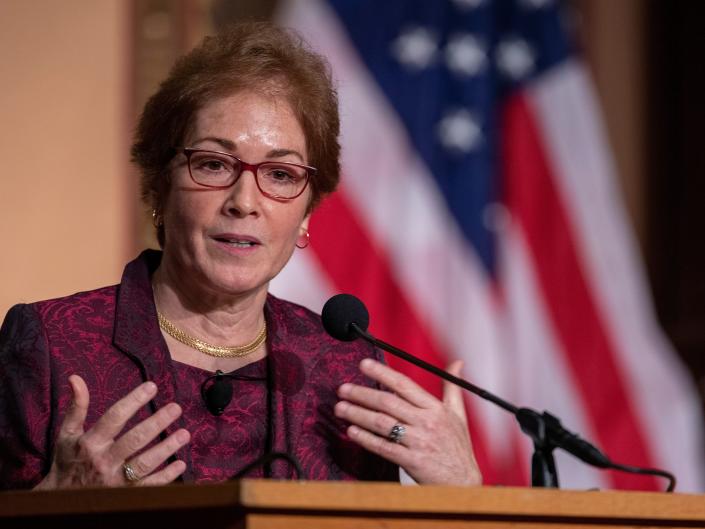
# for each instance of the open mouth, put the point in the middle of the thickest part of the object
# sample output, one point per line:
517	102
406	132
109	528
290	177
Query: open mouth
237	243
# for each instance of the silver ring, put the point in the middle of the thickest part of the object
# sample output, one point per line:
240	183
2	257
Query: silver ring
396	434
129	473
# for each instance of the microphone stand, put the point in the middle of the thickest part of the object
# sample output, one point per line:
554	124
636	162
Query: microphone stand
545	430
543	465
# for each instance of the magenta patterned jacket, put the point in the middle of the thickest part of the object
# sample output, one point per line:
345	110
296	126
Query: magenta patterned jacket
111	338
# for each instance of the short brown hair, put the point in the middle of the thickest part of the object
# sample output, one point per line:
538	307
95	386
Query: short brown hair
255	55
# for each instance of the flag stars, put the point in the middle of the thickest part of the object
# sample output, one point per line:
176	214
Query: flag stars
465	55
459	131
415	48
515	58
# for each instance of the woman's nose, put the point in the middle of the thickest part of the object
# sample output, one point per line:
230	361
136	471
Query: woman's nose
244	195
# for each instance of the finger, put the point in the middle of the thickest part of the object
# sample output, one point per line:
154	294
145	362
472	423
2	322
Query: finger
400	384
165	475
453	395
113	421
372	421
378	400
394	452
145	463
72	426
146	431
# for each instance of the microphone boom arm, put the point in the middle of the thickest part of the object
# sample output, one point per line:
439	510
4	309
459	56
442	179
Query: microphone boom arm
544	429
472	388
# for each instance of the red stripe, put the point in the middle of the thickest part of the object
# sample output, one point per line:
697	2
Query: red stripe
358	265
534	201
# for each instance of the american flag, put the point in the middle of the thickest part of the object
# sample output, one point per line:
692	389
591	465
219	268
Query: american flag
479	218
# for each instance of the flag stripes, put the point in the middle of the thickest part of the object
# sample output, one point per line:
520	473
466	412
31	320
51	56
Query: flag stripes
563	321
533	202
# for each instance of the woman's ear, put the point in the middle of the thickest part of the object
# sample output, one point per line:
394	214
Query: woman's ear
304	222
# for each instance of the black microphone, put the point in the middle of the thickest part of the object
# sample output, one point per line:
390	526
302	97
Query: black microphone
340	312
346	318
218	394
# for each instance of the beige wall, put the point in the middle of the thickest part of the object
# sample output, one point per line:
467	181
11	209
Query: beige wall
65	184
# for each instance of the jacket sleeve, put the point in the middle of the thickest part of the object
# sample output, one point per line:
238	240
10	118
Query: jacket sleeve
25	402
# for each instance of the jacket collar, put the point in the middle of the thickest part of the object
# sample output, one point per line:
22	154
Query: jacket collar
136	326
138	335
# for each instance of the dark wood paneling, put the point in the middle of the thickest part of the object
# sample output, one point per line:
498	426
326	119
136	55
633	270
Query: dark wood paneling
676	175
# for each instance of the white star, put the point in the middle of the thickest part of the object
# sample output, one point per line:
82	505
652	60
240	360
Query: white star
459	131
515	58
465	54
467	4
415	48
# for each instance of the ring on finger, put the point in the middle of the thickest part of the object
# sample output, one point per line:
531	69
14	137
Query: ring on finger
129	473
396	434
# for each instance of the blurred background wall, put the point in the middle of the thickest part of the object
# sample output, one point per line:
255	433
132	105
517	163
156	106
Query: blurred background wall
75	74
66	204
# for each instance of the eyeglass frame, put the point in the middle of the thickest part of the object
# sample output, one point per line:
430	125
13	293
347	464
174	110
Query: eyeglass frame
253	168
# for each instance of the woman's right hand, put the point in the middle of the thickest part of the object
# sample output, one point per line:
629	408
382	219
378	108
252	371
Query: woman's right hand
96	457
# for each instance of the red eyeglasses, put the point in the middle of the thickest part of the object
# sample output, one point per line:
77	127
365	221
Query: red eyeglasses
220	170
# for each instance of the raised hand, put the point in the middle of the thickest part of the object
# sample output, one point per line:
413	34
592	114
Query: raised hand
97	457
427	437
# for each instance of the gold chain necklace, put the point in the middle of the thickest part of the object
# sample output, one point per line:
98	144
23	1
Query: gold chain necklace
209	349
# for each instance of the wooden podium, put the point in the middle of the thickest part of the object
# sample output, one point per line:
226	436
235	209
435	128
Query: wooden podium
310	505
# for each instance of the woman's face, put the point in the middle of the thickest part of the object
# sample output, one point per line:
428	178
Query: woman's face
234	241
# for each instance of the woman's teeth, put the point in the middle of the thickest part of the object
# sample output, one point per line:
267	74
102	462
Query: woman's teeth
239	244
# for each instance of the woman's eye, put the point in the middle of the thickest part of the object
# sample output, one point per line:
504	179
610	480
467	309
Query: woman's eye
280	174
212	165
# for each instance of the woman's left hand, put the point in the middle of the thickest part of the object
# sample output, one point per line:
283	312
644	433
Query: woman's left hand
435	446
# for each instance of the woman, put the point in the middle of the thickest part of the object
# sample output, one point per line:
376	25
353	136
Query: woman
236	149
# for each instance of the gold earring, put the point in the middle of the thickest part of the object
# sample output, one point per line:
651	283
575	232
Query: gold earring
157	219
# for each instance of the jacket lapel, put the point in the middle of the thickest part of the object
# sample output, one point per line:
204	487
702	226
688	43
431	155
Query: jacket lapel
137	334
